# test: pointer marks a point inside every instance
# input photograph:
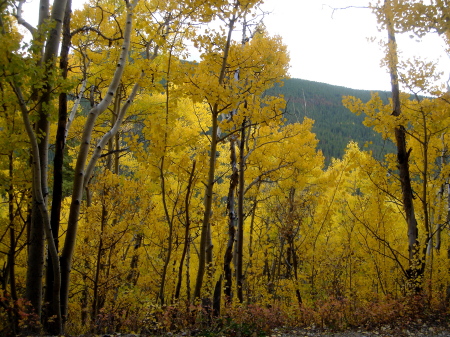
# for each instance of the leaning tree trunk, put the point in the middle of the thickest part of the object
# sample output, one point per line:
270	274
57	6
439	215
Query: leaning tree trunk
44	96
39	148
41	204
80	174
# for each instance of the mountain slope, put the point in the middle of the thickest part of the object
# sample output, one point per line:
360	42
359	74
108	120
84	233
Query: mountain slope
335	126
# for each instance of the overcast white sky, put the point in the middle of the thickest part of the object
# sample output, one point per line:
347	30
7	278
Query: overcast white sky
332	47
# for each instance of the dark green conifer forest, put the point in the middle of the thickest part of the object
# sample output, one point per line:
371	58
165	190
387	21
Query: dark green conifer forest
334	125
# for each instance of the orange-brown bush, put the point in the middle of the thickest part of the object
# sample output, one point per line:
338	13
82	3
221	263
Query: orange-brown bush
248	320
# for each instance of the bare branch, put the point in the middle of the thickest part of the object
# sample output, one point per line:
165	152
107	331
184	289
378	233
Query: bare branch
334	9
259	178
107	136
74	109
95	30
21	20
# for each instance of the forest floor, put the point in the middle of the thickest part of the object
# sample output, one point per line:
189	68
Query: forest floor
437	325
385	331
423	330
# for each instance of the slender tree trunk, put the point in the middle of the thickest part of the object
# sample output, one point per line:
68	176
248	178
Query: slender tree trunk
188	271
169	220
78	184
240	229
441	199
35	263
209	255
448	247
205	230
250	244
36	249
112	144
208	207
241	191
217	297
186	230
117	154
41	203
438	243
292	246
36	246
169	217
39	144
232	220
416	266
295	267
85	292
11	270
35	232
58	161
98	268
133	274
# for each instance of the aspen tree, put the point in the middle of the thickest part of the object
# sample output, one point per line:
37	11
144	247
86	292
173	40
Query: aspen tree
416	262
421	18
46	60
80	173
216	107
14	180
258	70
58	161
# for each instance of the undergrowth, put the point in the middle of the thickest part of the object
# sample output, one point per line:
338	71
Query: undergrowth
255	320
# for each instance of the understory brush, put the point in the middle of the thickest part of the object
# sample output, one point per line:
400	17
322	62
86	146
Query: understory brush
260	319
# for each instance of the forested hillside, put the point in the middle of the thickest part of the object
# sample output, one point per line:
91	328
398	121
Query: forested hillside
143	194
334	125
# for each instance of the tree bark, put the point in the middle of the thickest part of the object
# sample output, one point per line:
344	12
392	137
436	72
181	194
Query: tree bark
232	219
291	242
133	274
186	230
58	161
78	185
208	206
416	265
36	247
240	228
41	204
35	261
96	306
447	297
10	269
169	219
205	229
